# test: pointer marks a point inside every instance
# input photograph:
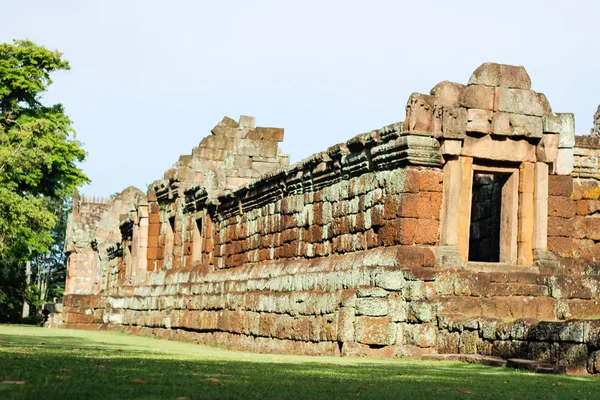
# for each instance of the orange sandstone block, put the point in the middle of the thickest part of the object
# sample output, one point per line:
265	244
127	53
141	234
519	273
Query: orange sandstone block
560	185
423	180
421	205
559	206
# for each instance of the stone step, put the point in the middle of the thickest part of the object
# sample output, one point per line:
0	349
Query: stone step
478	359
499	267
481	281
490	361
512	307
533	366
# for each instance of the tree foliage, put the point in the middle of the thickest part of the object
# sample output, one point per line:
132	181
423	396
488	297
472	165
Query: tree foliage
38	160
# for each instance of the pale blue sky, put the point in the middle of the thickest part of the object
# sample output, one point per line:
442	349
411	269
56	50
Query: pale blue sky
149	79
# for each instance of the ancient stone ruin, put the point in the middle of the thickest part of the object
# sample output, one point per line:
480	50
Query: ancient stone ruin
595	131
473	227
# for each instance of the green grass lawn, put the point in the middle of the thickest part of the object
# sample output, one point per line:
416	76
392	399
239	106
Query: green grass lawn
41	363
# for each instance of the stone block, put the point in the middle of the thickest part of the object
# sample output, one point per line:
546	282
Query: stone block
247	122
468	342
567	131
424	205
592	229
587	207
559	185
493	74
268	134
421	311
447	342
547	148
564	161
421	335
477	96
345	324
572	357
518	101
562	124
479	121
545	103
370	291
560	206
450	122
560	227
398	308
422	180
561	246
375	330
447	93
594	362
501	124
390	280
419	114
372	306
526	125
416	231
503	150
451	147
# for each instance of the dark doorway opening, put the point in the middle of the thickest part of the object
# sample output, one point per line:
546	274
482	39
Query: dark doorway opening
486	213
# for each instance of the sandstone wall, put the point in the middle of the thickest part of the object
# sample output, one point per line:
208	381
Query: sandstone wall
363	249
384	302
574	211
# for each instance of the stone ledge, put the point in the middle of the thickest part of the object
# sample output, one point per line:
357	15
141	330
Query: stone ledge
477	359
534	366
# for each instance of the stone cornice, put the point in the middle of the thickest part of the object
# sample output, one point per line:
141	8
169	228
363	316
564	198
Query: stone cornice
378	150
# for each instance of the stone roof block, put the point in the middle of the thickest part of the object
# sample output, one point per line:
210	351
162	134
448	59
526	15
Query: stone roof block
478	96
247	122
447	93
501	75
519	101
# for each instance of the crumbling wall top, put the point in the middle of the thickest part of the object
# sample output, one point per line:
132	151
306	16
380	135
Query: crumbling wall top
236	153
595	131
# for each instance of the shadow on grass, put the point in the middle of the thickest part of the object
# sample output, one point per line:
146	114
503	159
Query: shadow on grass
65	367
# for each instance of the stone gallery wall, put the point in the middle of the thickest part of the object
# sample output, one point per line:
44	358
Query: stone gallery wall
574	211
364	249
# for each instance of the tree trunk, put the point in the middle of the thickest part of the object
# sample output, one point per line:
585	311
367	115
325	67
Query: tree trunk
28	280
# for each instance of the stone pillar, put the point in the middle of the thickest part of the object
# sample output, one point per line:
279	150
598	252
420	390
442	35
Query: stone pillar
142	244
448	253
540	209
465	207
450	210
526	206
509	224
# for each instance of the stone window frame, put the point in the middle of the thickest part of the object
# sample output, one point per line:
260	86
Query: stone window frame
530	201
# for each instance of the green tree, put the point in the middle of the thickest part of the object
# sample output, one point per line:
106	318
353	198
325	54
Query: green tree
38	163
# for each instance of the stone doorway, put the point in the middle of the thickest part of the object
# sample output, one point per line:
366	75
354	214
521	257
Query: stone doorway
486	206
493	216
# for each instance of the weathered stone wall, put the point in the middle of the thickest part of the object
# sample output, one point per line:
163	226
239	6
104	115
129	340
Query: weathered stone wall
363	249
93	236
574	211
382	302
